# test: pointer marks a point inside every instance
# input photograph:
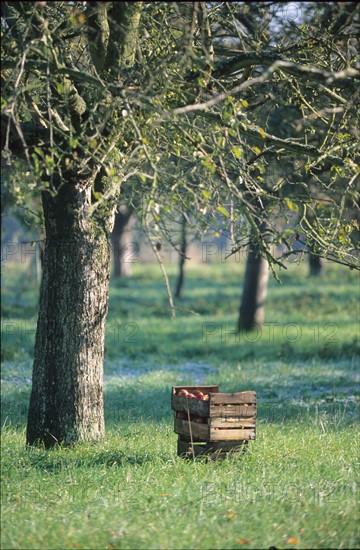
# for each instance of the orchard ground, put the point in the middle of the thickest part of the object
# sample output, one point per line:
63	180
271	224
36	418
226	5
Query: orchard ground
295	487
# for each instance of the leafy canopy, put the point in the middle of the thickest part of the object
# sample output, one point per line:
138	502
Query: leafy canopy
235	115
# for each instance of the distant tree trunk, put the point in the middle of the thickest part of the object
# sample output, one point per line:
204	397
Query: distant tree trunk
182	259
252	307
316	265
123	250
66	403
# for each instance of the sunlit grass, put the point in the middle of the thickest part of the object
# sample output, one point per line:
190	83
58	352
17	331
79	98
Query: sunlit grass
295	487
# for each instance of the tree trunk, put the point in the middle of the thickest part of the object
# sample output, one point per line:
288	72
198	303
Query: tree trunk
182	259
316	265
122	246
66	403
252	307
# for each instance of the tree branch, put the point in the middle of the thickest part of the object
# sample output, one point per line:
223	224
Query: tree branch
98	32
124	20
304	71
12	139
258	133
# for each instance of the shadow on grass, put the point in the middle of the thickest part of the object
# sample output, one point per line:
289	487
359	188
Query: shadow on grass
57	460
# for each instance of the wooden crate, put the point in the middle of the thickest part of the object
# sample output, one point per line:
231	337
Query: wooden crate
225	422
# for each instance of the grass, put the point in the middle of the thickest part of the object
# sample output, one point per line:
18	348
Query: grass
295	488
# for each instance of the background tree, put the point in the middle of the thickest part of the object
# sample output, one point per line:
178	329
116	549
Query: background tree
123	247
281	119
182	259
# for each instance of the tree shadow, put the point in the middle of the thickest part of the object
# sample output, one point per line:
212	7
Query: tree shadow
56	460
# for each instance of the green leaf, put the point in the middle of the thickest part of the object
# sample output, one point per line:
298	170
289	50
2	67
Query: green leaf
209	164
237	152
292	205
205	194
223	211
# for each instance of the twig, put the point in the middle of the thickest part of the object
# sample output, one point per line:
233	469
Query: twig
166	278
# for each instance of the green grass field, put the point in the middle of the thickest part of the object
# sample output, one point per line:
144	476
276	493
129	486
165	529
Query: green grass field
296	487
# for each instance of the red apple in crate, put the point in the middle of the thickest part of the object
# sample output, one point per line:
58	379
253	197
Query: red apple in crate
183	392
191	396
198	394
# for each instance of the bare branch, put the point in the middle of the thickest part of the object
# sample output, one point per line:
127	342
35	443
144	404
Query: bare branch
304	71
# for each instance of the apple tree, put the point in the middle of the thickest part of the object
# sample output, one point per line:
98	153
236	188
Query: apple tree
175	104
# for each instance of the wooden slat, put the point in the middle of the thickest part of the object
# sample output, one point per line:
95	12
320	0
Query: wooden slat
186	449
227	445
187	439
209	433
194	406
197	419
213	451
184	438
234	435
243	410
233	398
232	422
182	427
215	445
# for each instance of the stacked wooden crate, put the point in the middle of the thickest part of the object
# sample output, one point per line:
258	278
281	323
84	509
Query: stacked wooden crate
221	423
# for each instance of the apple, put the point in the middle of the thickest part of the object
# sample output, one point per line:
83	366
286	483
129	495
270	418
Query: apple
183	392
198	394
191	396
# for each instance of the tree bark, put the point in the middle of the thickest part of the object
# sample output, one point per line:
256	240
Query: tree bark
122	246
316	265
182	259
252	307
66	403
